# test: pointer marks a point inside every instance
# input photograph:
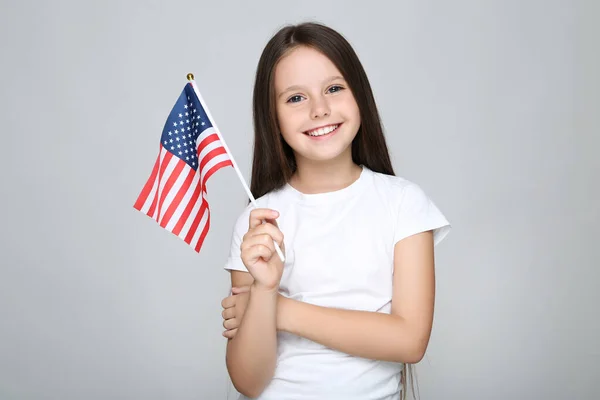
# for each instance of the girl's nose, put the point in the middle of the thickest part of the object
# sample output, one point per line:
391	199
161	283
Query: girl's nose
320	108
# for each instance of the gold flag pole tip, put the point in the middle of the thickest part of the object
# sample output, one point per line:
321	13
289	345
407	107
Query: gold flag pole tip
190	77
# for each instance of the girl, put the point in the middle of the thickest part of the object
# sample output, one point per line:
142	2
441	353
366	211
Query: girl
353	302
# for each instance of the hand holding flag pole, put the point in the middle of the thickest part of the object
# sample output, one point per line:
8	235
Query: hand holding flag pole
190	78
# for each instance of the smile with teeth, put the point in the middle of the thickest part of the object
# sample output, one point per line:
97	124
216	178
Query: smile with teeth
322	131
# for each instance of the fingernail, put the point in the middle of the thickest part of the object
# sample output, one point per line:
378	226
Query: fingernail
274	213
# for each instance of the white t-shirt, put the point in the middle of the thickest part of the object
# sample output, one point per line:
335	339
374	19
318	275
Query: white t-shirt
339	253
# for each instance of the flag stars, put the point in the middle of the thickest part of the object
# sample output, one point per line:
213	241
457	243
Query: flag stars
189	120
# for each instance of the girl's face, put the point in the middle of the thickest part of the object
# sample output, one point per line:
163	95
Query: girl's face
317	113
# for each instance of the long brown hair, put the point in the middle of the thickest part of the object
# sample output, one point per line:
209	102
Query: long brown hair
273	161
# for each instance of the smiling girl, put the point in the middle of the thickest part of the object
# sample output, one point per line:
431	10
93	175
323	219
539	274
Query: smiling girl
353	302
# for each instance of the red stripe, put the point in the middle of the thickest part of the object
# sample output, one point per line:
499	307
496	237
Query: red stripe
186	212
206	141
170	182
148	186
199	191
192	231
178	197
204	233
164	164
210	155
214	169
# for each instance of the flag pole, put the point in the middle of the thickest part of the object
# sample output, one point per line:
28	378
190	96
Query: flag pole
190	78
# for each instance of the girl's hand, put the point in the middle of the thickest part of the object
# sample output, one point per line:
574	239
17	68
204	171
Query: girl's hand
234	307
258	251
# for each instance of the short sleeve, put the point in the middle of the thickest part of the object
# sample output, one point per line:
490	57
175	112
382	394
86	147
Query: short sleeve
417	213
234	260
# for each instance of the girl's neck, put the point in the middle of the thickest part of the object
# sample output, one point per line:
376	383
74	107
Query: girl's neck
314	177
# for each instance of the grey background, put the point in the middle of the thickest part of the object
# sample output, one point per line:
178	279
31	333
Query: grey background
491	106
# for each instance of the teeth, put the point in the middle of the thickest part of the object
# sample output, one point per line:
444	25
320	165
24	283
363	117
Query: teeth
323	131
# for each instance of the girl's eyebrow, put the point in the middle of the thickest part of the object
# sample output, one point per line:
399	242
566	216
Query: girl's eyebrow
297	87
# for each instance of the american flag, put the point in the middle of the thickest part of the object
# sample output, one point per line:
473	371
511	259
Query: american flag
190	152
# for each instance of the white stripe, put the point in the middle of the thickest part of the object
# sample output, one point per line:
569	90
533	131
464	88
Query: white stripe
200	228
192	216
204	135
196	208
184	202
150	197
213	162
163	181
173	192
214	145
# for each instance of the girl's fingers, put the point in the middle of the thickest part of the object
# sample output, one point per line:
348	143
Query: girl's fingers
257	240
228	313
240	290
266	229
258	215
231	324
259	251
228	302
273	222
230	334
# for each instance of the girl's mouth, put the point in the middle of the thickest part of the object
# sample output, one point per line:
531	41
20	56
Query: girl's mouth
324	131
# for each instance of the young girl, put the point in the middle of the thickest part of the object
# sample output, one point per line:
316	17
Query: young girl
353	302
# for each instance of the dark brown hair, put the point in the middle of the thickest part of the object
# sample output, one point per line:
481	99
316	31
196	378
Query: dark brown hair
273	161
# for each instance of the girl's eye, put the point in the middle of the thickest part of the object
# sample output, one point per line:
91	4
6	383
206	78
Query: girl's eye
294	99
335	88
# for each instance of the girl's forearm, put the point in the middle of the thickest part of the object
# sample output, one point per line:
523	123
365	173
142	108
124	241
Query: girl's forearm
364	334
252	353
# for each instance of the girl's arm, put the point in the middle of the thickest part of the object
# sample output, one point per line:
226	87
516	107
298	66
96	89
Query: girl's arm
401	336
251	354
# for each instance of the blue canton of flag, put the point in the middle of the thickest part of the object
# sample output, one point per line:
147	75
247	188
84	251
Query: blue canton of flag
185	123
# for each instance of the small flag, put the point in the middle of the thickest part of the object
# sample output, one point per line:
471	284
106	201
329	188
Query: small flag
191	150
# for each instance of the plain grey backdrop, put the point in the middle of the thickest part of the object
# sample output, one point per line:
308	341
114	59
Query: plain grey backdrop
491	106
